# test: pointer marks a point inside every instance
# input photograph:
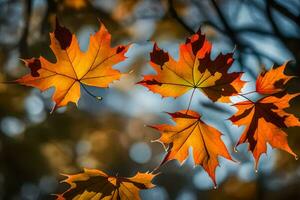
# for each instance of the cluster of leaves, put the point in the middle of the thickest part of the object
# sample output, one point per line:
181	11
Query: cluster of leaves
194	71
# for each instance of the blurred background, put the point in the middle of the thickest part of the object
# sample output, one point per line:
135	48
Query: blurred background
110	135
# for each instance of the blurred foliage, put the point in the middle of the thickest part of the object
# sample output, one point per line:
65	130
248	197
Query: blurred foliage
36	147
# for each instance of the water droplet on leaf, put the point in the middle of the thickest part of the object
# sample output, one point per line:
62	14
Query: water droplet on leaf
99	98
235	149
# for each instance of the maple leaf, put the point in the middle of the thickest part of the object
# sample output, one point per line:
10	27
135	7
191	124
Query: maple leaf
272	81
263	121
194	70
190	131
74	68
95	184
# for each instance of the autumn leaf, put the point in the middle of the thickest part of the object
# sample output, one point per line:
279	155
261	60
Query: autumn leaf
190	131
94	184
194	70
272	81
74	68
264	121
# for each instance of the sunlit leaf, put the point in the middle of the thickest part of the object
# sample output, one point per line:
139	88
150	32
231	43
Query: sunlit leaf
190	131
194	70
74	68
94	184
264	121
272	81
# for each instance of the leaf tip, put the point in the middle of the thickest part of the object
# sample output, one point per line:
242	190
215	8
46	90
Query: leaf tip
158	56
63	35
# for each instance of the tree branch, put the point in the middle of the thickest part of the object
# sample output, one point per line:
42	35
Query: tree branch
175	15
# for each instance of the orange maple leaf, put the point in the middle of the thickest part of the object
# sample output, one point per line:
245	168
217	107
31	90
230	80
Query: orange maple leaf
95	184
194	70
74	68
272	81
191	131
263	121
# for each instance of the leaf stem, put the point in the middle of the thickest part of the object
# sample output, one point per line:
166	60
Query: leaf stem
190	101
155	169
8	82
89	93
248	93
243	95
